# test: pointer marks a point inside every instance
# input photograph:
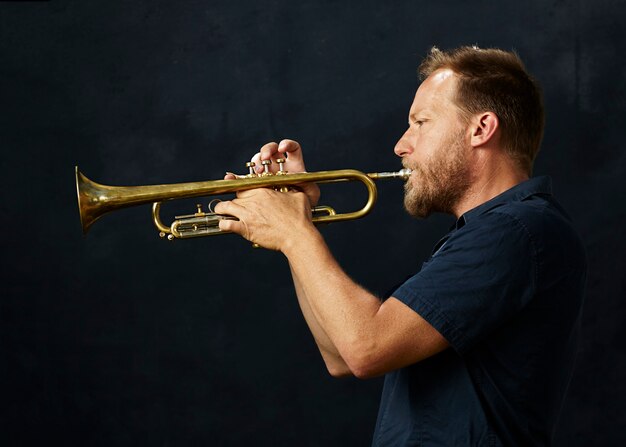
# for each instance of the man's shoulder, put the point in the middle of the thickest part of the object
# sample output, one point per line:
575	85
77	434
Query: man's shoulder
528	214
530	203
541	215
547	227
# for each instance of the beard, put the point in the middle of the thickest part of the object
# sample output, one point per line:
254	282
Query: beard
440	183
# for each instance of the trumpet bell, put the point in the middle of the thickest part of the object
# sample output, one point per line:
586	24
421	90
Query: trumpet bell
92	202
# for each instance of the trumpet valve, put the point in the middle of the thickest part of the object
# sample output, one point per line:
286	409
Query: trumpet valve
266	168
281	166
250	165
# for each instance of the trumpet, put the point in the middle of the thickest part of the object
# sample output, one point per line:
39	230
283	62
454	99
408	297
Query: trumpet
95	200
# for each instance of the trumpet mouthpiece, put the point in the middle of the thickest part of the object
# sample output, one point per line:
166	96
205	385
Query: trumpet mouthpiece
403	174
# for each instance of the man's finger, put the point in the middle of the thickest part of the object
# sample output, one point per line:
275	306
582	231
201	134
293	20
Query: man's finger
293	149
234	226
268	150
256	159
230	208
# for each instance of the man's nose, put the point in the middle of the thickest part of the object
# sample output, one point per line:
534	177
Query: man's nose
402	147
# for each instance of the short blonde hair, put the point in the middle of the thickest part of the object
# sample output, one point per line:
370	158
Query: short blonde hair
497	81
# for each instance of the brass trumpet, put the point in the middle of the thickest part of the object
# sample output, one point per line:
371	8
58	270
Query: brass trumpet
95	200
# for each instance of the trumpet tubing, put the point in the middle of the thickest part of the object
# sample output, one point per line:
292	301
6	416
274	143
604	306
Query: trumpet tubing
95	200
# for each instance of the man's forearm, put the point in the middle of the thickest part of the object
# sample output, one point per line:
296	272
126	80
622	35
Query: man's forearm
335	364
340	311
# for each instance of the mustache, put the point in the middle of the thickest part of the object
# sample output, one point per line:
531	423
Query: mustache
413	167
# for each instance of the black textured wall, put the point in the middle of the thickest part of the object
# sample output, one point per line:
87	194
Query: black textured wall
119	338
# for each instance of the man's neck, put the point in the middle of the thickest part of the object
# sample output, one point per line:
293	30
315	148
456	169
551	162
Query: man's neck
488	186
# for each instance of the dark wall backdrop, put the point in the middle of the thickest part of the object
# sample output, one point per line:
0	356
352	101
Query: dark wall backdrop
119	338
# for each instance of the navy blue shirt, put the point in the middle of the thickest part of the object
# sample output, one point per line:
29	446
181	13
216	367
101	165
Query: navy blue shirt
505	288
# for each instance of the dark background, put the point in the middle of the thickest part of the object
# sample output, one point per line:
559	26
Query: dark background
119	338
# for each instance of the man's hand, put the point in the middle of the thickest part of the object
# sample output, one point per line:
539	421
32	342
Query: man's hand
292	152
269	218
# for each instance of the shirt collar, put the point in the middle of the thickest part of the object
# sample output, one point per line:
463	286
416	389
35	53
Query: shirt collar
521	191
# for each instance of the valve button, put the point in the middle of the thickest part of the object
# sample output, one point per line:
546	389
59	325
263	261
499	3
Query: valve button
281	166
250	165
266	164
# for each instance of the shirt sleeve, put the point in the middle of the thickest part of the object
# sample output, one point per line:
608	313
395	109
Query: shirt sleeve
483	275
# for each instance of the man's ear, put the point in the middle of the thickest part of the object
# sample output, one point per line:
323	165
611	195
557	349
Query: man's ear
484	127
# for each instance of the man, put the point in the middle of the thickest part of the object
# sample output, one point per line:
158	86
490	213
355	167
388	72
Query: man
478	346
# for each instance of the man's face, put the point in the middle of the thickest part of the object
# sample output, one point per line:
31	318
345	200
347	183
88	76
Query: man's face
435	148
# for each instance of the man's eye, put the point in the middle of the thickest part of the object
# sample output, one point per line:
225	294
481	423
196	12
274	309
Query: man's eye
419	122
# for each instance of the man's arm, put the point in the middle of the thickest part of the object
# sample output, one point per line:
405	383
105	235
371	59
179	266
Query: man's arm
371	337
354	331
295	163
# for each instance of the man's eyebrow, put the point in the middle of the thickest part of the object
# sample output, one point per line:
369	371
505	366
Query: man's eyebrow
413	116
